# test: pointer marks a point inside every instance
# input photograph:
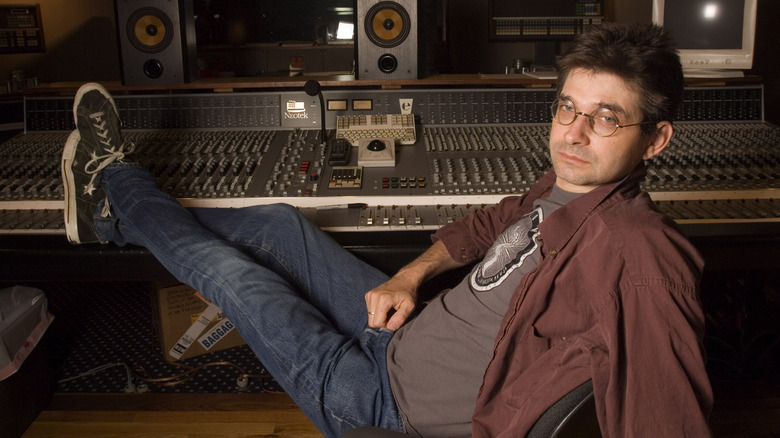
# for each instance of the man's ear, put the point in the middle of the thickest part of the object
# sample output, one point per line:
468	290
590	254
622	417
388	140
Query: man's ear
659	140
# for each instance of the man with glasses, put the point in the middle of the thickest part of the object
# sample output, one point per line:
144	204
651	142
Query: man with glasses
615	297
579	279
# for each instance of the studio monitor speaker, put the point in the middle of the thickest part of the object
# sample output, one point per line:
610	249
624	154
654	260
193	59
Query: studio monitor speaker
157	41
387	39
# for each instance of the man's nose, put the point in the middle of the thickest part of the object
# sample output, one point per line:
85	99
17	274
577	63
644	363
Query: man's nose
579	129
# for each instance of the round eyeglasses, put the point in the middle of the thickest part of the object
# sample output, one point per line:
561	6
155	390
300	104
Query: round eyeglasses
602	120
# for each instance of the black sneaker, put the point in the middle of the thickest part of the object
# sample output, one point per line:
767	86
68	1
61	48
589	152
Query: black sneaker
94	145
79	206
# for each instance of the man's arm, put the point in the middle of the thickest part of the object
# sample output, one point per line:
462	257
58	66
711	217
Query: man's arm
400	291
467	240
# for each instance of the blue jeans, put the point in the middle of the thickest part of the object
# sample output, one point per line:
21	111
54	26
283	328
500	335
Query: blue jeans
295	295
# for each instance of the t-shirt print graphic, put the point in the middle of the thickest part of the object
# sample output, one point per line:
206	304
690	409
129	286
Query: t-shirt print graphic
508	252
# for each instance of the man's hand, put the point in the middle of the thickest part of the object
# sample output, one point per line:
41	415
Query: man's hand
391	303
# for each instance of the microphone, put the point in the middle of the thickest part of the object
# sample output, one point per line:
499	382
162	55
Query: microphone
313	88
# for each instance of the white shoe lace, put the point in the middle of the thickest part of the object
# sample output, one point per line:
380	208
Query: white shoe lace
106	211
100	162
112	153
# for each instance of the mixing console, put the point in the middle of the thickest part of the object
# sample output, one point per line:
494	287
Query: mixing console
716	169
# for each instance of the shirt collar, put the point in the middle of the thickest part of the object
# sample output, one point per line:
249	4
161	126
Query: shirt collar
569	218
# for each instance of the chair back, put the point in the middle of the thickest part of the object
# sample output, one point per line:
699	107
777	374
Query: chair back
574	415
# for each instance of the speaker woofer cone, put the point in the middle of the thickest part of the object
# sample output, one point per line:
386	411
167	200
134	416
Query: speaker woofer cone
387	24
149	30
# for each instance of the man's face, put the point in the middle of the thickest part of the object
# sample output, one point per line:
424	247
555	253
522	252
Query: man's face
584	160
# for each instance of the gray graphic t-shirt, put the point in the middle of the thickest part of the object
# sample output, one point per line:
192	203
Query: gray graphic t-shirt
436	362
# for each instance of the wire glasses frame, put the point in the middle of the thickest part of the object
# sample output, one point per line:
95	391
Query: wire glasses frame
602	120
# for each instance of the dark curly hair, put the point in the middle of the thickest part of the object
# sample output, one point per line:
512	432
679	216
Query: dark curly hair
644	56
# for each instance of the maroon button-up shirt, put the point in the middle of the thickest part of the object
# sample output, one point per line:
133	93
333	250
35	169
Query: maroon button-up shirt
615	299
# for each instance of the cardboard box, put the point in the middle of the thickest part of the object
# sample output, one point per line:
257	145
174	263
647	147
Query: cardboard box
188	325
